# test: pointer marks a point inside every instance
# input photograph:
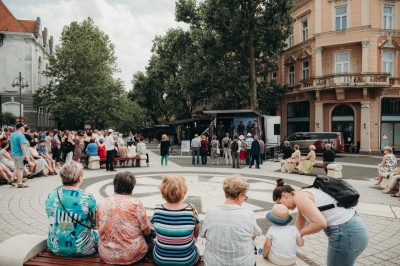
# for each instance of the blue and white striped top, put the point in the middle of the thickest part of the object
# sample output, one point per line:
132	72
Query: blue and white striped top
175	240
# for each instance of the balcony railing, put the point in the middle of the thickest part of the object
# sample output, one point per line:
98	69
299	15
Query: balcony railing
394	81
350	80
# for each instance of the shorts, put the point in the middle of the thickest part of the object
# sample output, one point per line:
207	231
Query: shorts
19	162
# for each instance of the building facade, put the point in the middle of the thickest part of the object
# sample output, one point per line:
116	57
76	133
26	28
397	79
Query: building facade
342	67
24	48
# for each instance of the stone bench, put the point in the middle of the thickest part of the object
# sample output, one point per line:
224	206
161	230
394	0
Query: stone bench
334	169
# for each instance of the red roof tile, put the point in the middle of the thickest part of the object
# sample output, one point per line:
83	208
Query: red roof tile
7	20
29	25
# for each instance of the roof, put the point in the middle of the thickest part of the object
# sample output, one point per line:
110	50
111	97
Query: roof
240	111
29	25
187	121
9	23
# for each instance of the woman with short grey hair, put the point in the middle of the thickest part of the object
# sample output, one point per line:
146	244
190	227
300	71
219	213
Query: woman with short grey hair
72	215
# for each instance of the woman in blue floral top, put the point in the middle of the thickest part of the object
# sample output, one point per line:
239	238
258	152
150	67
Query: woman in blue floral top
72	216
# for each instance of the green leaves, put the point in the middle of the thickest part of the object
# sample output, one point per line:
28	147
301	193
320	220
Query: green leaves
83	88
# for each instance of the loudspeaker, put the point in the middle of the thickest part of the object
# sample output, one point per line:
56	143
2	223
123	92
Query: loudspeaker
277	129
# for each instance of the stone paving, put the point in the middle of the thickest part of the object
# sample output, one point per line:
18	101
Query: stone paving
22	210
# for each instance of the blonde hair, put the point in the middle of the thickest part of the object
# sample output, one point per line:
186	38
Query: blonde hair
164	136
71	172
388	148
312	148
173	188
328	146
234	186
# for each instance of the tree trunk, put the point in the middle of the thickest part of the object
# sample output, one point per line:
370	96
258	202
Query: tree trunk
253	78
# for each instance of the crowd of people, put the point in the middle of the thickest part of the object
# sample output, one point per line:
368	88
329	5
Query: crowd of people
238	151
25	154
120	231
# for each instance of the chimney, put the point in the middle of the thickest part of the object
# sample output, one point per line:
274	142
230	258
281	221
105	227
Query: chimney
51	43
37	28
44	37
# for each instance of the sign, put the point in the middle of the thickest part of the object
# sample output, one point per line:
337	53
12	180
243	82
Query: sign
185	147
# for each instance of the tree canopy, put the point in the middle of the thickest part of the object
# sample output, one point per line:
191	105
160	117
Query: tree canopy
83	88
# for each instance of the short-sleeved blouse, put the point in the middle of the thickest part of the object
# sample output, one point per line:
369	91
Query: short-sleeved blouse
391	162
228	230
67	237
175	236
121	220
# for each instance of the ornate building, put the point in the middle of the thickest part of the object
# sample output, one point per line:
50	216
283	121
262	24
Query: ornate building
25	49
342	66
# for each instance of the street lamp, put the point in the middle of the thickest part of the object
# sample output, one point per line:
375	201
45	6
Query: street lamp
22	83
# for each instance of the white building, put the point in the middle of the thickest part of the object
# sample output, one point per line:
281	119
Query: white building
25	49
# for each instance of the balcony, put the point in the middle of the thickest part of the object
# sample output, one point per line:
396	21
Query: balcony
345	80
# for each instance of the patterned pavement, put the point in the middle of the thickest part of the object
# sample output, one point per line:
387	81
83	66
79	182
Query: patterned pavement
22	210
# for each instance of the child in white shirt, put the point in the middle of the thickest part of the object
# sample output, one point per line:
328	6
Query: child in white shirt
280	246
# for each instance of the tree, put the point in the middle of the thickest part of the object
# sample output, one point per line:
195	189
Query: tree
7	118
82	68
250	32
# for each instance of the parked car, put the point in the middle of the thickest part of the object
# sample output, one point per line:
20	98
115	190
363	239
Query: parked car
318	139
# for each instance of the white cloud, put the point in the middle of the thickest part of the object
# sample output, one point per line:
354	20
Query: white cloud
131	24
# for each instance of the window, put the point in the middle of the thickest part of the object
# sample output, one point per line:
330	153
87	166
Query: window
387	62
290	39
306	70
304	30
341	18
291	76
298	119
388	17
273	75
342	63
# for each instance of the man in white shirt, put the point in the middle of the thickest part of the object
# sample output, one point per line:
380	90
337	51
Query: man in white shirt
110	151
196	148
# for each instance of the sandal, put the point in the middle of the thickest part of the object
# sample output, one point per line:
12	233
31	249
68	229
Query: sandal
394	196
22	186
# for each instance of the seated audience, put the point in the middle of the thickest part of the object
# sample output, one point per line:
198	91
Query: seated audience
123	152
42	164
101	149
393	183
142	150
306	163
230	229
122	223
387	166
72	215
42	150
282	238
176	224
291	163
92	149
286	150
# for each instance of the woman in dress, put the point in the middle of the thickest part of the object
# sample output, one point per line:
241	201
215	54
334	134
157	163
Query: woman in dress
291	163
348	236
230	229
122	224
101	149
306	163
72	215
177	225
214	150
387	166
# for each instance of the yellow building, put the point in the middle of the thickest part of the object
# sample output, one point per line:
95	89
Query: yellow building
342	66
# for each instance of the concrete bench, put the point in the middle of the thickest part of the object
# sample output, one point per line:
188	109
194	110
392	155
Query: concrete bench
334	169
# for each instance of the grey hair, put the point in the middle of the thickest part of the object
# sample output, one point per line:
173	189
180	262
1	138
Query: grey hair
287	143
71	172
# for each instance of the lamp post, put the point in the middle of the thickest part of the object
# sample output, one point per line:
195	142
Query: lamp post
22	83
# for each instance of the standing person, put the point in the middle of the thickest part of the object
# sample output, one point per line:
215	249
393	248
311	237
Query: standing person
240	128
110	151
242	149
18	152
249	128
220	130
262	150
69	145
230	229
78	147
348	236
328	156
55	149
122	224
235	151
214	150
255	152
72	215
226	144
231	130
196	144
164	149
249	141
204	149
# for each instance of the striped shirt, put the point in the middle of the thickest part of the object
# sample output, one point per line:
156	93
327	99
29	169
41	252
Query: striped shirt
228	230
174	244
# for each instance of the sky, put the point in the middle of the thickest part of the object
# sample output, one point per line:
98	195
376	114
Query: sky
130	24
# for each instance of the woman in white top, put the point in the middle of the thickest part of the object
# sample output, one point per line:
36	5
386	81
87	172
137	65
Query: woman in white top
230	229
142	150
347	233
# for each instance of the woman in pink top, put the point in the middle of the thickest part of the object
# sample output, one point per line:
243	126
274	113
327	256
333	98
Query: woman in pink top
122	224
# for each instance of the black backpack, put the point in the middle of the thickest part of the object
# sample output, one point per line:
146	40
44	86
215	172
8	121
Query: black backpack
346	195
234	146
226	144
